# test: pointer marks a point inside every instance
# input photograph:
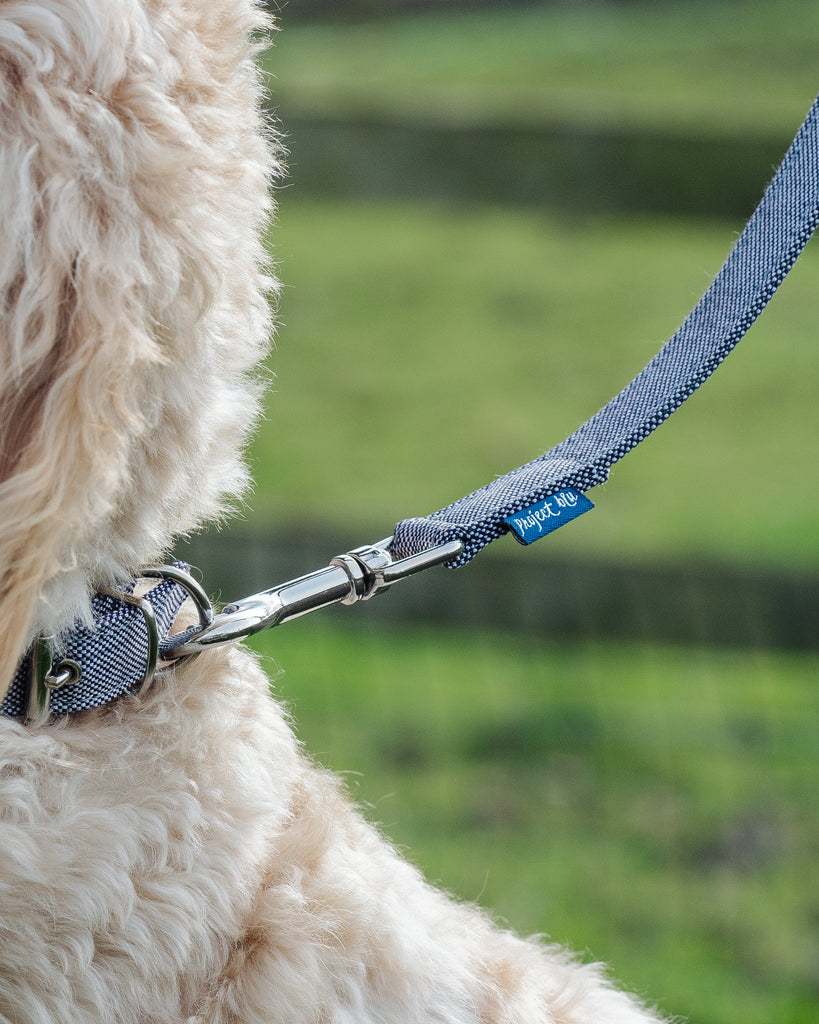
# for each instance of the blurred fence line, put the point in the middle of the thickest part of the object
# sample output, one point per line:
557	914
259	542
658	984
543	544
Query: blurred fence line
693	603
305	10
584	171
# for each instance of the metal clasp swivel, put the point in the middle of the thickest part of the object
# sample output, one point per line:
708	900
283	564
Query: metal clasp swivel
354	576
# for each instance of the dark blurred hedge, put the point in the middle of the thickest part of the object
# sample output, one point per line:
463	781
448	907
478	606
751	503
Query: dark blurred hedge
303	10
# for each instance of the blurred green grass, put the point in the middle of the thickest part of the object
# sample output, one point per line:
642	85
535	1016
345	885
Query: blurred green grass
429	348
653	806
722	68
426	349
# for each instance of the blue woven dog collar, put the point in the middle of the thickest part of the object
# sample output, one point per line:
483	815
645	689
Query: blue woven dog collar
91	666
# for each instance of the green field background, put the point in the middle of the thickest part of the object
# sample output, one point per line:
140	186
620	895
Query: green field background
650	804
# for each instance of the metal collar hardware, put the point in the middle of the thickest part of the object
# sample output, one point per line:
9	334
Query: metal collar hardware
130	641
354	576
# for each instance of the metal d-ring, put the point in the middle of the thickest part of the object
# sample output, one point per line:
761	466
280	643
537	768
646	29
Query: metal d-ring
194	591
188	583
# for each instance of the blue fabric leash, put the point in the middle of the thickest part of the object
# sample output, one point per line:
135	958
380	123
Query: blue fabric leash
92	666
548	492
528	499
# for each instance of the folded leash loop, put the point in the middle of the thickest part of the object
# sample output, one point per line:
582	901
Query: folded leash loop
764	253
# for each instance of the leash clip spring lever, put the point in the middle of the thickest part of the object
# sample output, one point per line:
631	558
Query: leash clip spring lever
354	576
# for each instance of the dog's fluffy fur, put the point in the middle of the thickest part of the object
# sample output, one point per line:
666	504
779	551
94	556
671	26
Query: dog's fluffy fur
176	857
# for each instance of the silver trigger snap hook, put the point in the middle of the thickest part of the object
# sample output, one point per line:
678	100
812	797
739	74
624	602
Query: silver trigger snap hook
355	576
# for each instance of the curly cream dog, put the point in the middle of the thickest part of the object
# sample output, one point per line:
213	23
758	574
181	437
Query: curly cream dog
174	856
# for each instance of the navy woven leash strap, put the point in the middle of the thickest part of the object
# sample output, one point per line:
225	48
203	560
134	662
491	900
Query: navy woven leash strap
764	253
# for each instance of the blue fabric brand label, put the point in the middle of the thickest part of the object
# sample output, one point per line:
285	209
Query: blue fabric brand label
548	515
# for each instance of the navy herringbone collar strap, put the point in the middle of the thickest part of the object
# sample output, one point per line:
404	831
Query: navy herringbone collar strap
91	666
765	252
